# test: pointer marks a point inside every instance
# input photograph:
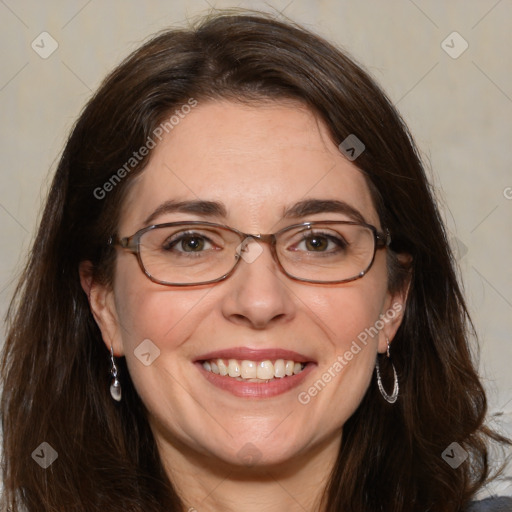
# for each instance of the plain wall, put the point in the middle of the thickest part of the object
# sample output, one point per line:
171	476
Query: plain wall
458	109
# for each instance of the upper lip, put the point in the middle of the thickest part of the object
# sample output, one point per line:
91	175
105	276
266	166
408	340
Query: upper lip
253	354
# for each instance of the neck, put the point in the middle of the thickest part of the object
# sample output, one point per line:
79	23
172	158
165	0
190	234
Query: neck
206	483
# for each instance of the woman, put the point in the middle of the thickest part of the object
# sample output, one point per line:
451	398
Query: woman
241	296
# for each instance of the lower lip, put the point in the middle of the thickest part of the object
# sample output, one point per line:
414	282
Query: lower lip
243	389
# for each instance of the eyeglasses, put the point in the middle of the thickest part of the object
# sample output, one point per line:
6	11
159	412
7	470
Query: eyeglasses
197	253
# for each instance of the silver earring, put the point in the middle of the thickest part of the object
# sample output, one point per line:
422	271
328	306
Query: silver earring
115	387
389	398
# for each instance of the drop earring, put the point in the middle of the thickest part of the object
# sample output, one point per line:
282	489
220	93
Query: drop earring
394	395
115	386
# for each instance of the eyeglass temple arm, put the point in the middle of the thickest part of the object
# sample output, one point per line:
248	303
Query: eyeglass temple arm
384	239
128	243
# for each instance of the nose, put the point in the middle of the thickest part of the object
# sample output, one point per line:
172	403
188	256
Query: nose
257	294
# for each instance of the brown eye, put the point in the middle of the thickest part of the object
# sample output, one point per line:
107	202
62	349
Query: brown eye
192	244
322	243
187	242
316	243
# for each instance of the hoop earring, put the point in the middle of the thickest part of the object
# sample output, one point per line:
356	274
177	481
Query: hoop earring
115	387
393	397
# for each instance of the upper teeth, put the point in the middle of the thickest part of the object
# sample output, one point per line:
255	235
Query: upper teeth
263	370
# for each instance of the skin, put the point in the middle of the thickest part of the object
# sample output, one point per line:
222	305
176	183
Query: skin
257	160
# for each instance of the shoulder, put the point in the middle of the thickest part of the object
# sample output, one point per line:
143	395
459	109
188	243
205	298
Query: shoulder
494	504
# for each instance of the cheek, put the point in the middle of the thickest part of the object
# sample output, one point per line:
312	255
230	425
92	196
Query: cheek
348	319
349	316
160	312
346	312
156	325
147	310
348	359
155	322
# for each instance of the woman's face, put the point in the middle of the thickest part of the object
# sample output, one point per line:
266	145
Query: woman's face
257	162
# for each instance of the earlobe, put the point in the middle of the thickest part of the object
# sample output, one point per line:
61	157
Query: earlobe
391	318
393	314
102	304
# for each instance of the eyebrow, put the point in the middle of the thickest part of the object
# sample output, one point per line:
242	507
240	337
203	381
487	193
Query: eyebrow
313	206
218	209
199	207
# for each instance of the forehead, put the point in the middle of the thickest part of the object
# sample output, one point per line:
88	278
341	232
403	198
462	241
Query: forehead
256	159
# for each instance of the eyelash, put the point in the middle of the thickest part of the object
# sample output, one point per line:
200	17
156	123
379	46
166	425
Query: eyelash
174	240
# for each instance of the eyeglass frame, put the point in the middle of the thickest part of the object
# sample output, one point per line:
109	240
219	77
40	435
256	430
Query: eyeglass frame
382	239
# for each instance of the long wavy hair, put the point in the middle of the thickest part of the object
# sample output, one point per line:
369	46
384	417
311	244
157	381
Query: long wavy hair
55	366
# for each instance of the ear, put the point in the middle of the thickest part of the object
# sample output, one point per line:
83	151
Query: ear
394	307
103	308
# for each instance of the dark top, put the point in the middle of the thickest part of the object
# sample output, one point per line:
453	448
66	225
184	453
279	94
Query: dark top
494	504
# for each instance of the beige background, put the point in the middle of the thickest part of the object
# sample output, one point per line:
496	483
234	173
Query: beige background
459	110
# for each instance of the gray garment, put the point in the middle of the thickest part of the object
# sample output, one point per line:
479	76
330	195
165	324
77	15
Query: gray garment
495	504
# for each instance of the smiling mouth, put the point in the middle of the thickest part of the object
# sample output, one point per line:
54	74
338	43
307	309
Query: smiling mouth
254	371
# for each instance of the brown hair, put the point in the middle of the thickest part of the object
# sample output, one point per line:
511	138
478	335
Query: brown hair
55	365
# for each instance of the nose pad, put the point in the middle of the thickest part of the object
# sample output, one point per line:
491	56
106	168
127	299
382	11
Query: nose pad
249	250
